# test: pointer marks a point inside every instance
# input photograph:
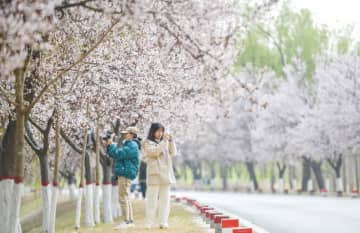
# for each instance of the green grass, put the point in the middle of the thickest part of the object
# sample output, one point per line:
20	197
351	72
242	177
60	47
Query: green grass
30	203
181	221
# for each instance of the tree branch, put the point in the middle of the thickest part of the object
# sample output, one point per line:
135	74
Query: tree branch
29	137
70	142
64	71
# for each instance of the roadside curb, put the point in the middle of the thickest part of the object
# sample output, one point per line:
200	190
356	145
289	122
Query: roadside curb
218	220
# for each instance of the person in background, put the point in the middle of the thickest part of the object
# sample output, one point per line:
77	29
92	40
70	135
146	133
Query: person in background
158	149
142	178
126	167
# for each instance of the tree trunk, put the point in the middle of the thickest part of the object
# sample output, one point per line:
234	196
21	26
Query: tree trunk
97	172
357	173
196	172
89	207
71	180
7	162
89	194
306	174
56	174
251	171
78	204
7	175
224	175
282	169
46	191
107	202
115	199
337	165
272	177
78	208
316	168
107	187
292	175
44	169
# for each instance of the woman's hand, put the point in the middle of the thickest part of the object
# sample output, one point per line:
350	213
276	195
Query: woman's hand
169	137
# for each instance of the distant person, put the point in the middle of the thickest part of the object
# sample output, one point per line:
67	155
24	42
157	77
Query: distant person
126	167
142	178
158	148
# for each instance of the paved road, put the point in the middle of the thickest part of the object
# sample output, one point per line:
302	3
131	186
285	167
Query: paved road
288	214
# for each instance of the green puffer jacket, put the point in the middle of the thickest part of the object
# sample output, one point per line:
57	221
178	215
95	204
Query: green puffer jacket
127	159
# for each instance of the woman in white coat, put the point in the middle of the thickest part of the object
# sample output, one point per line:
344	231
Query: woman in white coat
158	150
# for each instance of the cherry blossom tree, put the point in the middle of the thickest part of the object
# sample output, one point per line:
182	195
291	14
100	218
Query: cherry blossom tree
44	43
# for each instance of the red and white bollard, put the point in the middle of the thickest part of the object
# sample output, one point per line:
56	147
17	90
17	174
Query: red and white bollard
354	193
220	222
324	192
217	222
204	210
209	215
227	225
200	207
212	219
242	230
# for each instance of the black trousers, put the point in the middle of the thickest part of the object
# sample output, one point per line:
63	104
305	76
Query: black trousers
143	188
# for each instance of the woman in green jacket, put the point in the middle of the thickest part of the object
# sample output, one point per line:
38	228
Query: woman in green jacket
126	167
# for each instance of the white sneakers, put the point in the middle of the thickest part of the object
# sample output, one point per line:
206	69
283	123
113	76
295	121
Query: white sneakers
125	224
162	226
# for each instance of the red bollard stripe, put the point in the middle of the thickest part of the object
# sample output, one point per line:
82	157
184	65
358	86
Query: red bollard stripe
209	213
228	223
202	206
243	230
218	218
203	210
213	214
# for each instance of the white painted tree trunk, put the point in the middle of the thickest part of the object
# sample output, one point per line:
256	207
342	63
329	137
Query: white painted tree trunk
89	206
97	203
46	195
327	185
115	202
78	208
72	191
339	185
294	185
107	201
18	228
281	185
6	187
310	185
14	219
252	186
52	220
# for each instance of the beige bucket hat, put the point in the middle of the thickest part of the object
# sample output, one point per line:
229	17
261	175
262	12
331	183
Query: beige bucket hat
132	130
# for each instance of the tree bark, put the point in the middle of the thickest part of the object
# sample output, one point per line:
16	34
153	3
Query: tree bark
224	175
316	167
251	171
7	162
336	164
83	155
282	169
306	173
56	174
97	172
356	172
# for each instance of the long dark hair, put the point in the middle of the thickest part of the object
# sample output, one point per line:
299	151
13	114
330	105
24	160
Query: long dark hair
153	128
